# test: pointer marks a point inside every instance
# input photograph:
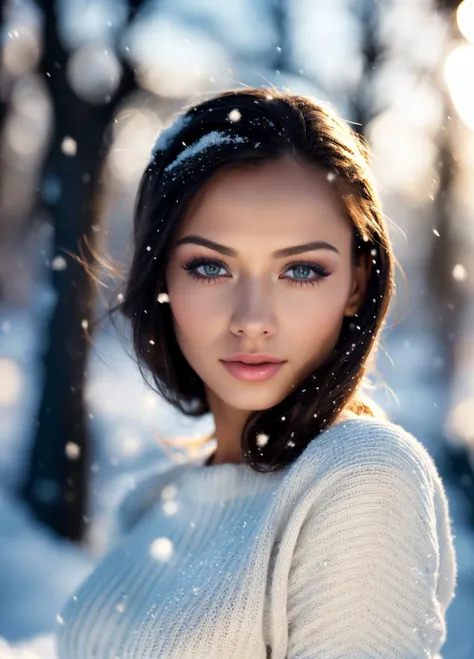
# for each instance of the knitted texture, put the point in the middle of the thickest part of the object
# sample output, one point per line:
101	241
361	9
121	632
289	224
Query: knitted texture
345	554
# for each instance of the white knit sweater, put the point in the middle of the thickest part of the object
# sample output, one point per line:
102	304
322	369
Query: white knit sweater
347	553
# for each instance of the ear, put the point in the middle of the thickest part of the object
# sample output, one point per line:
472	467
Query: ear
360	277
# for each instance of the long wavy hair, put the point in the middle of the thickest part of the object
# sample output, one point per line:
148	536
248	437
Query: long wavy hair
258	125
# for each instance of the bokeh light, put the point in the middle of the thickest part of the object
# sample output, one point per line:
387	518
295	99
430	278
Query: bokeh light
94	72
465	19
135	131
173	61
11	382
459	73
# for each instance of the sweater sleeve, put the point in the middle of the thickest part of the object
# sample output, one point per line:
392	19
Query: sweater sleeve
373	562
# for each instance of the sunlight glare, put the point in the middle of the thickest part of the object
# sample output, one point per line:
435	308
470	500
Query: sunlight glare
458	70
465	19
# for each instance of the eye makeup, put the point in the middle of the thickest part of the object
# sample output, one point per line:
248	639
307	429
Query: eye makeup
193	264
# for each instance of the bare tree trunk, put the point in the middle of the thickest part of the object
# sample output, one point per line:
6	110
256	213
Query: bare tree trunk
4	95
448	299
56	483
3	103
368	13
282	57
446	296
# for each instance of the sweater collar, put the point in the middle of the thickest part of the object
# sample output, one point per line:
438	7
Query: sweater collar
222	482
226	481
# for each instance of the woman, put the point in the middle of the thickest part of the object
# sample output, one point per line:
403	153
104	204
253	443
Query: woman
317	529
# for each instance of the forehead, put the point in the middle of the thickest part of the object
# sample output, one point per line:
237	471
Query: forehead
280	198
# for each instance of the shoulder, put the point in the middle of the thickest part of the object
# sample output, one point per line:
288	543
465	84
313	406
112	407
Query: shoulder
368	469
369	445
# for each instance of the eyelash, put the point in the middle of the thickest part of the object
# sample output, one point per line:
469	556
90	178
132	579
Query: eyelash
196	262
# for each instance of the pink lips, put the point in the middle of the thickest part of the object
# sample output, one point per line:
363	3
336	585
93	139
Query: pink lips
253	372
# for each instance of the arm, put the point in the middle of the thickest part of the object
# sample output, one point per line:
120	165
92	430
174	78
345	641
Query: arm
364	581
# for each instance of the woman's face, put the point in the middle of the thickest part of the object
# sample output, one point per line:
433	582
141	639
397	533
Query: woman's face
251	299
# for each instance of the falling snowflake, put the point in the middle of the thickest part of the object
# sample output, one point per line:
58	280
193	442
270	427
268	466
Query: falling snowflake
130	446
262	439
84	324
436	232
163	297
169	492
69	146
58	263
161	549
459	272
72	450
234	115
170	507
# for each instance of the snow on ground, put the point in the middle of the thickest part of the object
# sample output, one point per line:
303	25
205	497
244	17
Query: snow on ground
41	571
40	647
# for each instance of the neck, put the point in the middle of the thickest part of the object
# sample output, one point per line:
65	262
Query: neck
217	458
229	423
228	446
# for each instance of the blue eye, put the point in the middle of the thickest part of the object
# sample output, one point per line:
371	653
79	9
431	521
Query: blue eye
214	265
321	273
193	264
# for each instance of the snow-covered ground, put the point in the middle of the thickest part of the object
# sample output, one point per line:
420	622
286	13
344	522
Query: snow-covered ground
39	572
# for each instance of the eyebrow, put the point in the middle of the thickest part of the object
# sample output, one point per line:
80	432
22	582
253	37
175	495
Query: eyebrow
280	253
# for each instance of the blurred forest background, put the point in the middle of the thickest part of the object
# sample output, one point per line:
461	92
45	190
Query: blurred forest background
86	88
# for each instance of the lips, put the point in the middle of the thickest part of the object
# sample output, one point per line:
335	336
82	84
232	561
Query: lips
253	372
254	358
250	363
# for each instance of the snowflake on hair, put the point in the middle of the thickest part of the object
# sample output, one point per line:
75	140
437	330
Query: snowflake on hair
168	133
207	141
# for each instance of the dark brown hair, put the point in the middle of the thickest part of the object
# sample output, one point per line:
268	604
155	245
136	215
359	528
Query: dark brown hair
271	124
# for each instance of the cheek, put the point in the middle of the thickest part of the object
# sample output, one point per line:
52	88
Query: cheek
316	323
195	314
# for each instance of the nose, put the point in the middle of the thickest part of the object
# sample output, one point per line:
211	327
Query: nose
253	314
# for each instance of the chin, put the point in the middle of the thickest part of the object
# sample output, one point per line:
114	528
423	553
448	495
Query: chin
253	401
